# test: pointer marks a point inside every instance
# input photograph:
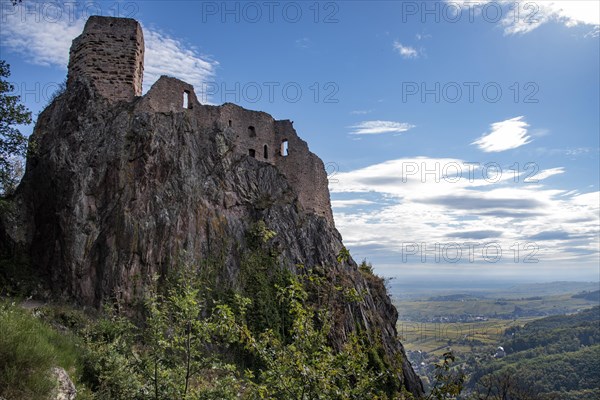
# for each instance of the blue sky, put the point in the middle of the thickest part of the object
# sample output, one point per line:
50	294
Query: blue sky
498	102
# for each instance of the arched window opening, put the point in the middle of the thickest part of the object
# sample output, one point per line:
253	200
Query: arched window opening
266	151
285	151
251	131
252	153
230	123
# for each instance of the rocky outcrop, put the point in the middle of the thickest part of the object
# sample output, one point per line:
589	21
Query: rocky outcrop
65	389
117	191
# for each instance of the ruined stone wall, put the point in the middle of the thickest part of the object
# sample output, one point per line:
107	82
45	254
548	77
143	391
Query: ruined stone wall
305	171
260	136
255	134
167	95
110	55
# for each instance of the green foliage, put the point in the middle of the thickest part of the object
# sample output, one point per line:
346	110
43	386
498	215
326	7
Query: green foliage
28	350
259	234
366	267
260	275
183	348
106	362
343	255
194	342
506	385
307	367
449	381
173	355
12	142
553	357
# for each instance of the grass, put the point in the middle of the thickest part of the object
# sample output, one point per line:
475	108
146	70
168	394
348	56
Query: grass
29	348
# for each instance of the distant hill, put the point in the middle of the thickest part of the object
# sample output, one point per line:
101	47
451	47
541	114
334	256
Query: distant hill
555	356
553	287
454	297
592	296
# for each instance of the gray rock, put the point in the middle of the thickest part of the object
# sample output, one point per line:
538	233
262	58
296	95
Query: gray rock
65	389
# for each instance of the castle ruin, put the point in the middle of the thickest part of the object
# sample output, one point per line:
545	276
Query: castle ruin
109	55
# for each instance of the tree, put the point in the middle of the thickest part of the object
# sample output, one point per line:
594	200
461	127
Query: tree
449	382
183	338
13	144
506	385
305	366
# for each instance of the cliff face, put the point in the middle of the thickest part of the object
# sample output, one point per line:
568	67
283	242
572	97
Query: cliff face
116	192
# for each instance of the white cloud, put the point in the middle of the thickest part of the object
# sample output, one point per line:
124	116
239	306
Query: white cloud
405	51
425	208
546	173
528	16
350	203
361	112
41	43
573	12
168	56
47	43
303	43
378	127
424	176
578	151
504	135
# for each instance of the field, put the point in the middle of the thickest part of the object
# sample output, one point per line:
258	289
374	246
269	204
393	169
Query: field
462	337
469	308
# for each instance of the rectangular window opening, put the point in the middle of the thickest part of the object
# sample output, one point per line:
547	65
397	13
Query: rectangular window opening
285	151
186	99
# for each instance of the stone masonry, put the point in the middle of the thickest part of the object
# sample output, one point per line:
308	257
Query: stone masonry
109	54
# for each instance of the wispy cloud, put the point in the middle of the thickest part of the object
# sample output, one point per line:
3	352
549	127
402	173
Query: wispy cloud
487	234
405	51
504	135
48	43
361	112
547	173
303	43
40	42
169	56
379	127
351	203
578	151
524	17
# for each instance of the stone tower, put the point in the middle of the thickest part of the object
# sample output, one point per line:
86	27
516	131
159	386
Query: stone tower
109	54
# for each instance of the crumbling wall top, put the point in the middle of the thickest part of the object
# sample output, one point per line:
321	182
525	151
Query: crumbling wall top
170	94
109	54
